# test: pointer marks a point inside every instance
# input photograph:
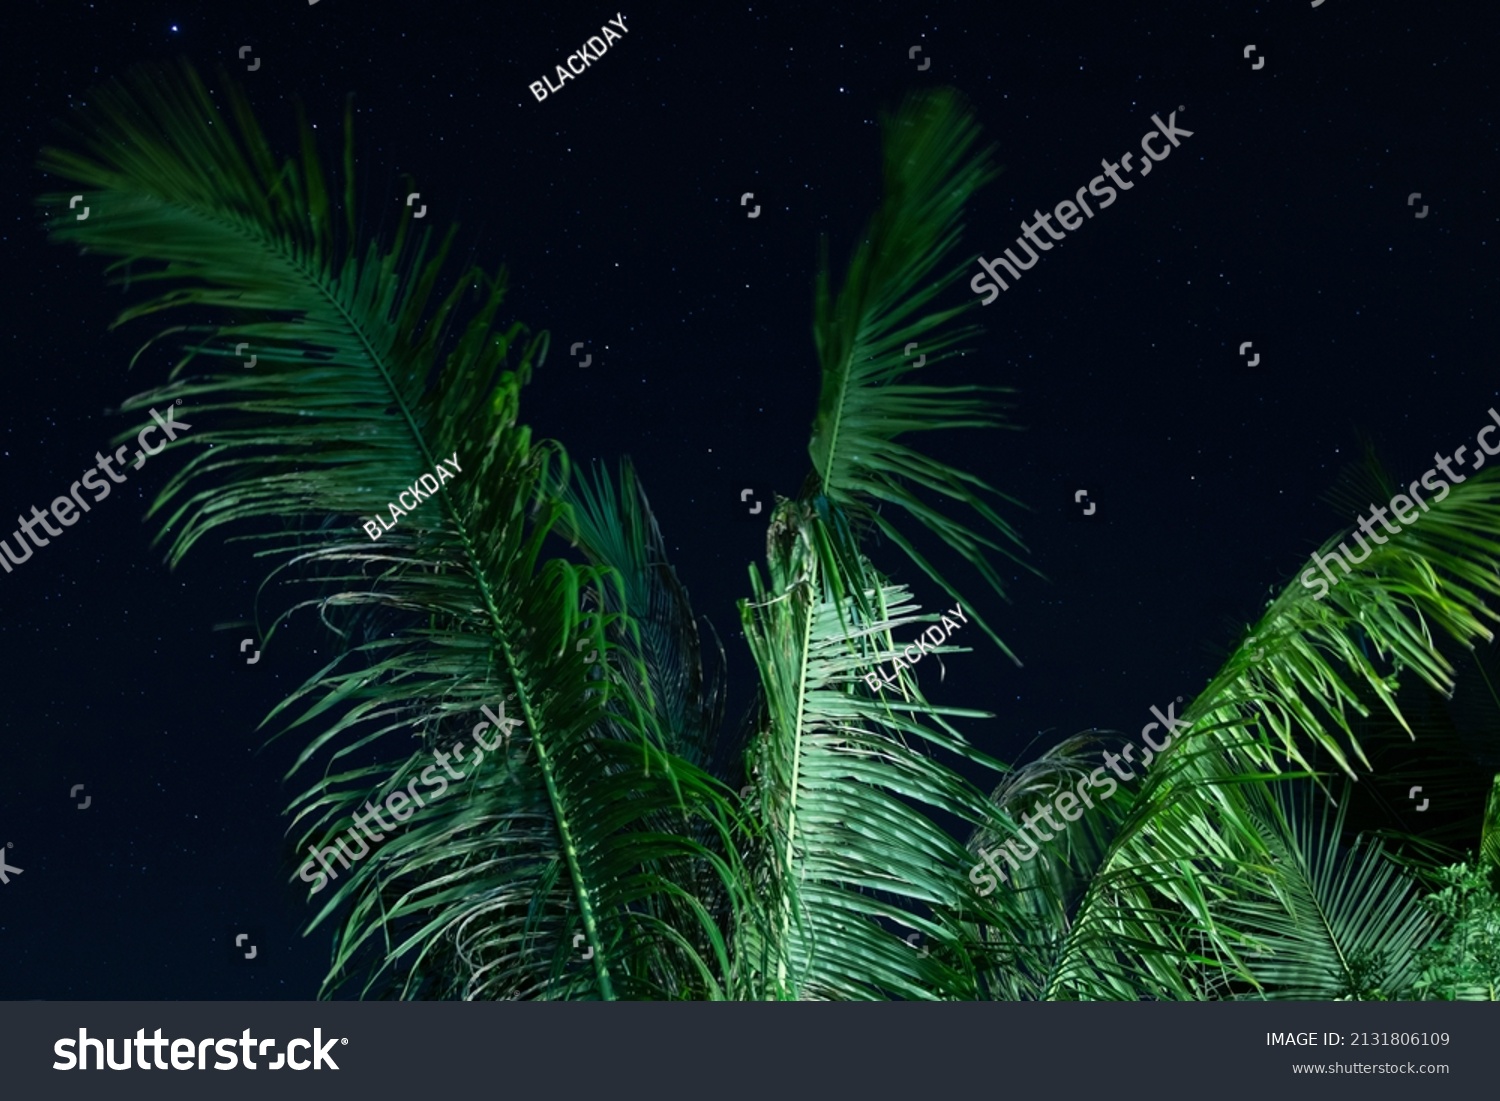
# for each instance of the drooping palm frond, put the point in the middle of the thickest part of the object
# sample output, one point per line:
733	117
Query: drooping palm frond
845	789
864	335
679	698
1433	578
1144	926
363	382
1023	936
616	528
1193	840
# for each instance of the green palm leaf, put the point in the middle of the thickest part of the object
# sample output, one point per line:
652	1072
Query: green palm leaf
1434	577
1159	915
1025	933
1489	839
1333	922
846	789
616	528
863	334
364	378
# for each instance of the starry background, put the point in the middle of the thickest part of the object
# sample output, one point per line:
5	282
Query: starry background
615	204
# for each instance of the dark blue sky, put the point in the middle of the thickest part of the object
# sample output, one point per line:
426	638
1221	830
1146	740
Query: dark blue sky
615	203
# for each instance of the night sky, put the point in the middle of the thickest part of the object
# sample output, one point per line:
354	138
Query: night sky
615	203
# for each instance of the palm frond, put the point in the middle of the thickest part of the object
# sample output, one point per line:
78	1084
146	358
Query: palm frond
1431	579
1194	839
864	334
615	527
845	788
1333	921
1057	920
364	379
1489	838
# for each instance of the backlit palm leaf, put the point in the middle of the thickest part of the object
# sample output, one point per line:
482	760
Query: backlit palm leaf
364	379
1332	922
1194	844
864	334
845	787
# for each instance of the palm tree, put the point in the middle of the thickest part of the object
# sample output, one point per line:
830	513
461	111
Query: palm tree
600	850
